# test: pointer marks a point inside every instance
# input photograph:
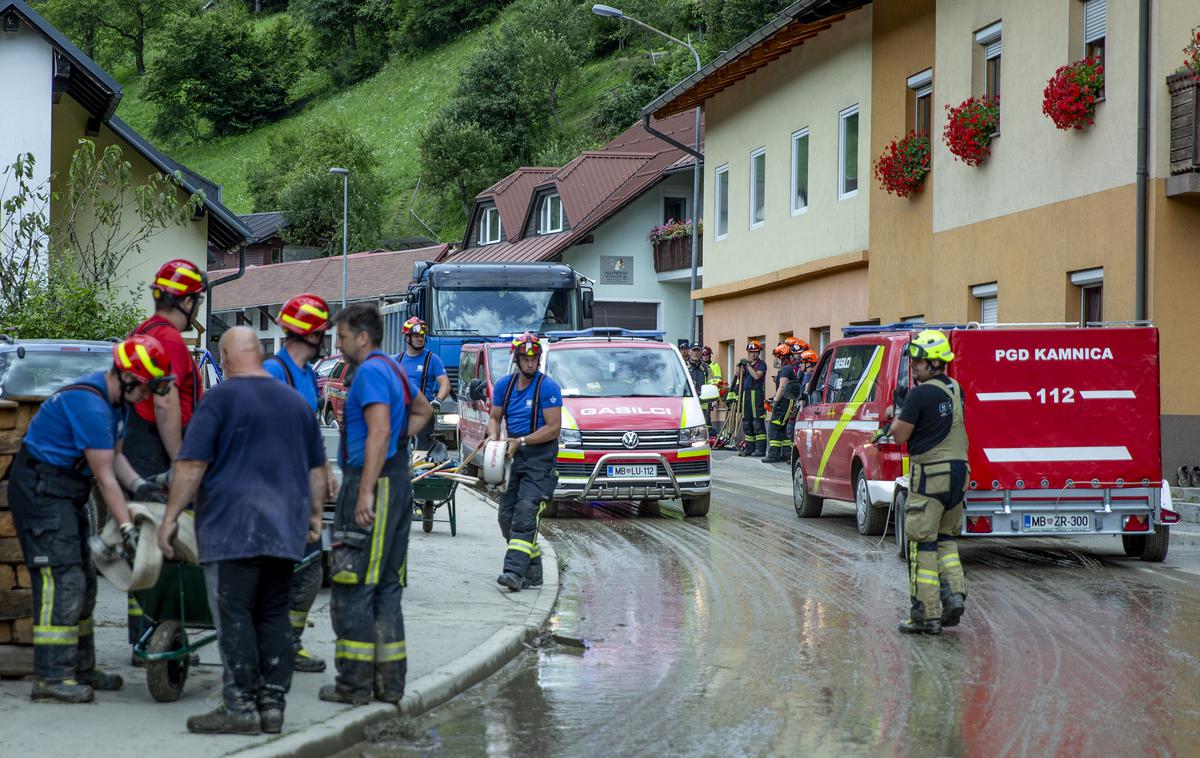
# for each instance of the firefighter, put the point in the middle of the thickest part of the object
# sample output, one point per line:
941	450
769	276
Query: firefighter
715	378
805	362
931	423
529	404
781	405
72	440
374	513
304	320
752	373
696	366
154	430
428	372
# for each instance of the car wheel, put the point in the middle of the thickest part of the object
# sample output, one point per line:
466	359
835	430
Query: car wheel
1157	544
329	418
869	519
696	506
650	508
899	501
807	505
1133	544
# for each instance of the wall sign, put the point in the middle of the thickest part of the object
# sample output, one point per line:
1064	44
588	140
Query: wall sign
616	269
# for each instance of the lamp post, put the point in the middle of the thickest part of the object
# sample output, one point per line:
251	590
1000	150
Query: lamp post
345	174
607	11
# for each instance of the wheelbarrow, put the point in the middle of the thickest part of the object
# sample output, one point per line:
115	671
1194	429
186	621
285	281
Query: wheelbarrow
431	493
177	602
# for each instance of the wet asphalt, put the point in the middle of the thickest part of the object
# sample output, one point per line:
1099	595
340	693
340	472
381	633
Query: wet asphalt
752	632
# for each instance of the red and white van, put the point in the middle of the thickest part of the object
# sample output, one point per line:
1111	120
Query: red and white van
632	425
1063	427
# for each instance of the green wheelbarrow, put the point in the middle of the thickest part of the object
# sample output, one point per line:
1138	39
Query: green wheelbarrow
177	602
431	493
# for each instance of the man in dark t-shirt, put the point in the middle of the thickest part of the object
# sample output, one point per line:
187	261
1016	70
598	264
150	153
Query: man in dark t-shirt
254	462
931	414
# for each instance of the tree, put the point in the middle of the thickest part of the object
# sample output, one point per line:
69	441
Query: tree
622	107
424	24
352	34
24	231
728	22
555	39
128	20
216	67
460	158
294	178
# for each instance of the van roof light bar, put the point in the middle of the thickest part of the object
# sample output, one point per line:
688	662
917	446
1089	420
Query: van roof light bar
607	332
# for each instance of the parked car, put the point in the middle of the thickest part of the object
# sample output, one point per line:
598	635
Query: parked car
481	364
36	368
332	383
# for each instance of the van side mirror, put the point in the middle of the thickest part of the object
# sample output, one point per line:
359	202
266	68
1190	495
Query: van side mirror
708	393
588	303
478	390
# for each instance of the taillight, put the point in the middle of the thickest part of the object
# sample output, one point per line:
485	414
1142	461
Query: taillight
979	524
1136	523
1170	517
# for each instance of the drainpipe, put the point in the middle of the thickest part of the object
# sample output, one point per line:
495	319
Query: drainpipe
1143	160
241	271
672	142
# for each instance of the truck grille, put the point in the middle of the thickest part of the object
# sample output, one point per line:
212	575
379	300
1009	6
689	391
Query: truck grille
681	468
648	440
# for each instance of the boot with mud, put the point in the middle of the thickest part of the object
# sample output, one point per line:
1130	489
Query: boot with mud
61	691
510	580
953	605
774	455
917	623
308	663
533	578
331	693
270	709
760	448
100	681
222	720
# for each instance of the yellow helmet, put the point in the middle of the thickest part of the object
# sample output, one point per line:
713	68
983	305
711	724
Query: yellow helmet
930	345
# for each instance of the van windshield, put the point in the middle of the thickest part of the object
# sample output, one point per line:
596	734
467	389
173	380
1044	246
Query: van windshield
618	372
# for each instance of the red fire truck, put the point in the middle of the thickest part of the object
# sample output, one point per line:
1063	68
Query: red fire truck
1063	426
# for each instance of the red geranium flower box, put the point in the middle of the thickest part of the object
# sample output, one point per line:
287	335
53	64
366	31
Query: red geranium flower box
1069	99
902	168
969	128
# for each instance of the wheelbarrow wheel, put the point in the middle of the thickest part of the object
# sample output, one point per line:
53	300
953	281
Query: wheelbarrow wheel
427	509
165	678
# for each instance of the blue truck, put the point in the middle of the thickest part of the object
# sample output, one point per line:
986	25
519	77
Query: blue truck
485	302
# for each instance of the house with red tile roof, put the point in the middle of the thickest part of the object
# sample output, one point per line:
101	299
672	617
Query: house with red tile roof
595	214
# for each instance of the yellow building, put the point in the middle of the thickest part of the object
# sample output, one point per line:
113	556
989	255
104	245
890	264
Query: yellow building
55	96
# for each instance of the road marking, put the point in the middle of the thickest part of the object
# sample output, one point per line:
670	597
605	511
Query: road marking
985	396
1056	454
1107	395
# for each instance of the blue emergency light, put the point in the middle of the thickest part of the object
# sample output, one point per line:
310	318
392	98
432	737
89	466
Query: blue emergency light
901	326
607	332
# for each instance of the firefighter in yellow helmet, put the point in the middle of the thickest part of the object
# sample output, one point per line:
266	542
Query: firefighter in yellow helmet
931	424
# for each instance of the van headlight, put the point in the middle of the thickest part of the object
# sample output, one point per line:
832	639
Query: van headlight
570	438
693	436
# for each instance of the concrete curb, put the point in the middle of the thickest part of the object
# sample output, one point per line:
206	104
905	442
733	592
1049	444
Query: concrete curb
349	727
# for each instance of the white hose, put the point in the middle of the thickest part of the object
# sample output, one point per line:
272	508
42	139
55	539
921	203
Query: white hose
495	462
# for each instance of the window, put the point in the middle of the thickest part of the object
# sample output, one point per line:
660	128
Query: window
988	303
1091	295
268	346
848	153
917	319
722	201
264	320
551	218
674	209
489	226
726	349
820	379
800	171
1095	22
758	187
849	369
819	337
276	255
920	87
989	39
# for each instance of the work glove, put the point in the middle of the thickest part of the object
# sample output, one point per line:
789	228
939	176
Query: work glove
147	491
162	480
129	539
744	362
437	405
879	434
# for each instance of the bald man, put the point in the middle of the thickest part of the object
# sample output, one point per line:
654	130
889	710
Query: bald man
254	463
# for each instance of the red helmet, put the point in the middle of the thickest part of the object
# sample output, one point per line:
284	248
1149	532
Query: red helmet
304	314
414	326
144	357
754	345
706	352
526	343
179	278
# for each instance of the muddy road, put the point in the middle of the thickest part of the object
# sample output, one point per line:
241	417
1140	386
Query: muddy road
752	632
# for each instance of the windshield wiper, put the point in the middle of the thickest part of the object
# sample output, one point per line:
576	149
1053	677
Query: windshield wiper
469	332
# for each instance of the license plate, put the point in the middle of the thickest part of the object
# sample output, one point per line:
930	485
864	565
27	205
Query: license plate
628	471
1058	522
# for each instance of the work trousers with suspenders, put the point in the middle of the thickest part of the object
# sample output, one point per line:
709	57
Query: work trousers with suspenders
754	428
370	566
49	507
424	437
530	488
306	582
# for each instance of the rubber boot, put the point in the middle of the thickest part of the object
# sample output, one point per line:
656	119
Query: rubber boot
308	663
774	455
222	720
510	580
330	693
953	605
760	448
270	709
63	691
533	577
100	681
916	623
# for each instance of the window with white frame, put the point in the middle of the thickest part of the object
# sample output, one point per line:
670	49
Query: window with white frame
722	202
920	87
1095	27
989	39
800	171
551	217
848	153
988	297
1091	295
489	226
758	187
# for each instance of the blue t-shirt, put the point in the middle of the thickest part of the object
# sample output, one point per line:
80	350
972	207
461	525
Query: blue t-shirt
520	405
414	366
73	421
260	441
303	380
376	380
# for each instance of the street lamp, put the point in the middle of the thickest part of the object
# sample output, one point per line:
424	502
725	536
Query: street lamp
345	174
607	11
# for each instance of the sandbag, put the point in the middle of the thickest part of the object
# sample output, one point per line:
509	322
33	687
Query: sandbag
147	563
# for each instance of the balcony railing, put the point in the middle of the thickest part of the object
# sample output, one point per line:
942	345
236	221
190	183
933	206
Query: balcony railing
676	254
1184	179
